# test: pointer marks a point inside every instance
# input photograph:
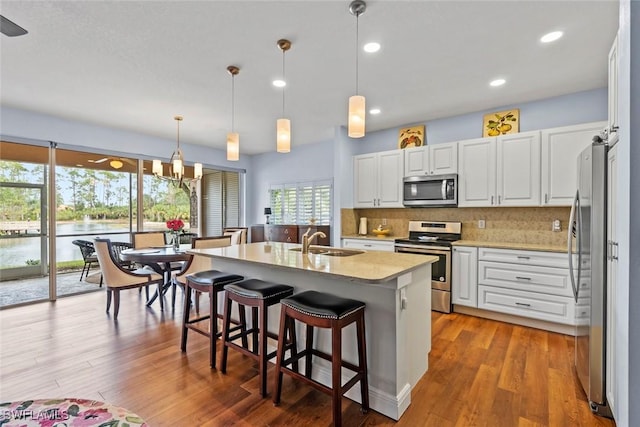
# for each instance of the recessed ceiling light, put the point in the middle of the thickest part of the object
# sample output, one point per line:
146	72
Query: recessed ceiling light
551	37
498	82
372	47
374	111
279	83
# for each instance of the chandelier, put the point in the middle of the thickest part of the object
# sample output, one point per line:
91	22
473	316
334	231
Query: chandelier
176	163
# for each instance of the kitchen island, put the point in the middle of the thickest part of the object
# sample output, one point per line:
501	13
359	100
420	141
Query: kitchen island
395	288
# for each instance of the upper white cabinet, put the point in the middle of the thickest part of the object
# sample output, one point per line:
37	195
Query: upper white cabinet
438	159
560	150
377	180
500	171
612	125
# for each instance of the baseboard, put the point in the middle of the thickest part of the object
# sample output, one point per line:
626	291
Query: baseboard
517	320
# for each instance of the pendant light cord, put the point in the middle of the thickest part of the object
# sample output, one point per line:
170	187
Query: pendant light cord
233	102
284	80
178	134
357	43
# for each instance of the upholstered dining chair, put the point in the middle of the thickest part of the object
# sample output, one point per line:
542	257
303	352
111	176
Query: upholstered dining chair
117	278
238	234
198	263
147	239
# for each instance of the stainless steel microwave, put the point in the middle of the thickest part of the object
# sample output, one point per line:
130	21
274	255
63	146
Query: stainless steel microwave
431	191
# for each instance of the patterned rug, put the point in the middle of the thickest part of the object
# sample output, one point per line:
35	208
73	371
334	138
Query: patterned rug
66	413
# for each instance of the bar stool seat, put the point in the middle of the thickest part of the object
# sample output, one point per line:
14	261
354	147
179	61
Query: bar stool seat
259	295
210	282
319	309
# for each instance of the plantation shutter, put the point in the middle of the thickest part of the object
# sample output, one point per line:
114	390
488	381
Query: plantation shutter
301	202
212	206
322	203
232	199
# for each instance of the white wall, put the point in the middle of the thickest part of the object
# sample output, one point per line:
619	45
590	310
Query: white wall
29	125
565	110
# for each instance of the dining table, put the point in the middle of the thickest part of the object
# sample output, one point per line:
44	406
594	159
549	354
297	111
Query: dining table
162	260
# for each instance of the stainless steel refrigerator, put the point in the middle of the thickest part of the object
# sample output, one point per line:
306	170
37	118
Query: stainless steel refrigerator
587	243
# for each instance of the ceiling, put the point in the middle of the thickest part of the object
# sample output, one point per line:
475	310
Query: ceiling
133	65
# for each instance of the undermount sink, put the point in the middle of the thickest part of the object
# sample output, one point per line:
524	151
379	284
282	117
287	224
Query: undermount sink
330	251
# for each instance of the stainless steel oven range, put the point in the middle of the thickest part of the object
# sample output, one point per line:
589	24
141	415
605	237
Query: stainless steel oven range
434	238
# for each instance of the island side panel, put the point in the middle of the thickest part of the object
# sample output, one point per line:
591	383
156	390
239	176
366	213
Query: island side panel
389	385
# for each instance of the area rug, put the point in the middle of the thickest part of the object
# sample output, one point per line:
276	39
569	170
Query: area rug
68	412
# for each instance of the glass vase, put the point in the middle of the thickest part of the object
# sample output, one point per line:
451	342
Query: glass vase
176	240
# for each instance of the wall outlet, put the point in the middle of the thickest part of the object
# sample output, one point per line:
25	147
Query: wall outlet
555	225
384	221
481	223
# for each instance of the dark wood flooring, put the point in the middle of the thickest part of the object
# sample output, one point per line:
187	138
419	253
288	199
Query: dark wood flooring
481	372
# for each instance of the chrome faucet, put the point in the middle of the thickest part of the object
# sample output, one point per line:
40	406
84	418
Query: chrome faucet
306	239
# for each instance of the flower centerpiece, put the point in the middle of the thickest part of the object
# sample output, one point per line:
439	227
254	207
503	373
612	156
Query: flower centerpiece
175	226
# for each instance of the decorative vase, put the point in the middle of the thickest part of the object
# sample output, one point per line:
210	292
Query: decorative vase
176	240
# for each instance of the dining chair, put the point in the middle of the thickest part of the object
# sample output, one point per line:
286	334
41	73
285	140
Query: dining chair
147	239
238	234
198	263
88	252
117	278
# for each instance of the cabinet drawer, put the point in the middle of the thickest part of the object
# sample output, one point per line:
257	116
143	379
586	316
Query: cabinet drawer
282	233
368	245
554	281
527	304
545	259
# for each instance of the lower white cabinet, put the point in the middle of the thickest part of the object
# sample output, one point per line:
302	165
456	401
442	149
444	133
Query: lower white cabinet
527	304
464	277
531	284
369	244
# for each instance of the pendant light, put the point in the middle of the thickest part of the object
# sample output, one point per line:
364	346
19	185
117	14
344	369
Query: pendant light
176	163
357	102
283	125
233	139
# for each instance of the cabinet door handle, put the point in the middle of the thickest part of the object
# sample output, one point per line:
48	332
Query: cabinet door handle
367	246
522	278
499	197
286	231
522	257
523	304
492	200
546	198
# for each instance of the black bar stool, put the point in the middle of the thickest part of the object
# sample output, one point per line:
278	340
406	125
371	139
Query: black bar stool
210	282
259	295
317	309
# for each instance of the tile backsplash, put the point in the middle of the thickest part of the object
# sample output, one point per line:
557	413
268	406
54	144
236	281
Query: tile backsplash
509	225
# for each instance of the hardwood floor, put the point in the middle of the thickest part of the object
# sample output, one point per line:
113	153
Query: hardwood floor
481	372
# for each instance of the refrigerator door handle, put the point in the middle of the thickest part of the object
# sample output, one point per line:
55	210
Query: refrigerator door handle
572	226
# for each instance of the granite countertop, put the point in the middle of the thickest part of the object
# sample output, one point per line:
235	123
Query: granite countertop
368	266
512	245
387	238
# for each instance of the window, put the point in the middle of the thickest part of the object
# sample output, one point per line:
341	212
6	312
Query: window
220	201
298	203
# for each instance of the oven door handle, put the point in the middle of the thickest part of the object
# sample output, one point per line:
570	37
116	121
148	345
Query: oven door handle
425	251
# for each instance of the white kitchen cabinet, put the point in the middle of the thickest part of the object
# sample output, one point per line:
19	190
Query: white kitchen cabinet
369	244
612	125
530	284
464	276
612	279
500	171
560	149
438	159
377	180
477	167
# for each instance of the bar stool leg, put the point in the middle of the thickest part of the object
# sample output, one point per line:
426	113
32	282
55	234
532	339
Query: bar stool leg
213	326
362	358
263	347
255	326
309	346
280	357
225	334
336	369
185	316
